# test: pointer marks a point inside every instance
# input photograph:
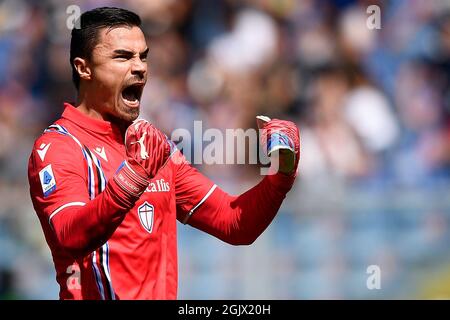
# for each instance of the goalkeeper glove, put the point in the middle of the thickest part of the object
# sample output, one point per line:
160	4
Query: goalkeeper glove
147	151
282	136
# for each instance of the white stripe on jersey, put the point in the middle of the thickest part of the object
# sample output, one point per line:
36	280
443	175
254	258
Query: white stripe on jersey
105	266
70	204
198	205
91	177
98	277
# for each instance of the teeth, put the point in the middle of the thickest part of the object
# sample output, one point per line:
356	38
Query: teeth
131	95
131	101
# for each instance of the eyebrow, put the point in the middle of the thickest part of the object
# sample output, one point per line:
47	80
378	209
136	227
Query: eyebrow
129	53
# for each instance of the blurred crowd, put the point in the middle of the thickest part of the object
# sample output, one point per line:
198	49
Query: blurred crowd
373	107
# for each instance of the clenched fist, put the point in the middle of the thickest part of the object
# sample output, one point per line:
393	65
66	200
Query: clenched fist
284	136
148	150
146	147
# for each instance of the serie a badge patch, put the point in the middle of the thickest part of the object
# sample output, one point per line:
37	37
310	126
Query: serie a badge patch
48	181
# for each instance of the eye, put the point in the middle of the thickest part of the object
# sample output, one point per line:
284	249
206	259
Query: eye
121	57
144	58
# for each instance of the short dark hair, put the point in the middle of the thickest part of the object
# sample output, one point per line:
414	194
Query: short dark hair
85	37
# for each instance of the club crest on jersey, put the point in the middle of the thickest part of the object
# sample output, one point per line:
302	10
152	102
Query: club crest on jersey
146	216
48	181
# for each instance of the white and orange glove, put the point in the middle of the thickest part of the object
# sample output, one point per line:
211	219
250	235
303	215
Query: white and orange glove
148	150
284	136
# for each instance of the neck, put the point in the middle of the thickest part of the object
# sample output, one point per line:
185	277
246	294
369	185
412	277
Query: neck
90	112
88	109
93	111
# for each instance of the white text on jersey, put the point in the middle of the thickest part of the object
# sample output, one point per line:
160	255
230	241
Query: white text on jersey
158	186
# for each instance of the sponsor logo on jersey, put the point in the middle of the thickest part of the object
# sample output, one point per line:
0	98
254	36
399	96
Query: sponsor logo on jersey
146	216
159	185
101	152
48	181
43	148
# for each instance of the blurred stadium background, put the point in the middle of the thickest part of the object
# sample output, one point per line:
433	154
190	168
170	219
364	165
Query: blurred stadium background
372	105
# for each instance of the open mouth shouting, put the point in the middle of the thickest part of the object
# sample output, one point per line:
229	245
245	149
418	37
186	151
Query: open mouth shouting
131	94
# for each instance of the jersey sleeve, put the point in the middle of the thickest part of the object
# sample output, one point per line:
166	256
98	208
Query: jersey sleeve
56	173
59	191
237	220
192	188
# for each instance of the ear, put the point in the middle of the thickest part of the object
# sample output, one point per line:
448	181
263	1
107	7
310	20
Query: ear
82	68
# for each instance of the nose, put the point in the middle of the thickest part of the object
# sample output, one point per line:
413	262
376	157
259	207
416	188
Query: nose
139	68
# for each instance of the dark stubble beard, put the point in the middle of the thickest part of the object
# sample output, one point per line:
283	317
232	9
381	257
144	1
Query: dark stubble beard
124	118
129	115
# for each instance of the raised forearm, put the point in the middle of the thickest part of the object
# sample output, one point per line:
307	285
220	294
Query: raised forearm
239	220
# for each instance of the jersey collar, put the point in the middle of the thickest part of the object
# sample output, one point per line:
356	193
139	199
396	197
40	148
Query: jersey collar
99	126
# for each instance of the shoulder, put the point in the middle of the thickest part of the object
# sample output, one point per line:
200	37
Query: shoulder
54	147
51	142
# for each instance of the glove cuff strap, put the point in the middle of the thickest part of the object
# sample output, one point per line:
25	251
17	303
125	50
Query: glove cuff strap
129	180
